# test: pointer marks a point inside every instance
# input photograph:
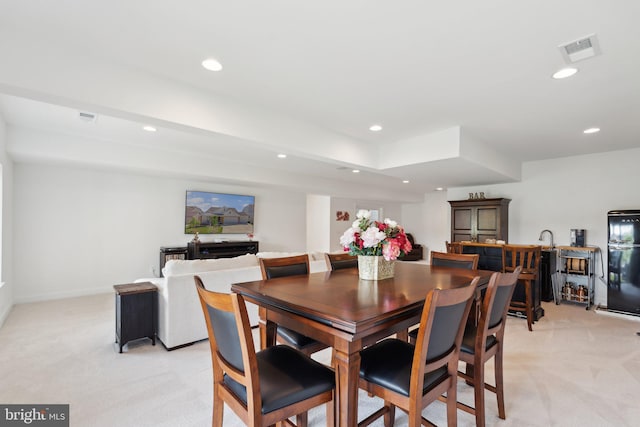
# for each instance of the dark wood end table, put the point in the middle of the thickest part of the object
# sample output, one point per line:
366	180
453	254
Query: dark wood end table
136	312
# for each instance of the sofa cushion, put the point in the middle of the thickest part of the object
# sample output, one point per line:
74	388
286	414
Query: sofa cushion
177	267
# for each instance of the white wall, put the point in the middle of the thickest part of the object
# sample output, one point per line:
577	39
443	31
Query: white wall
387	209
318	223
80	231
558	194
6	281
428	222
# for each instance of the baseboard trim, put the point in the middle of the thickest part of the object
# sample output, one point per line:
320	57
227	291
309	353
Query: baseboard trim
5	314
603	310
62	295
177	347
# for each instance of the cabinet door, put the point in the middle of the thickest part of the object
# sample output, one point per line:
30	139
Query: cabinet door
463	221
487	223
479	220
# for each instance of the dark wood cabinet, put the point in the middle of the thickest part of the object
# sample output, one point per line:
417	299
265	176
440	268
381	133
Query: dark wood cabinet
167	253
136	312
206	251
220	249
479	220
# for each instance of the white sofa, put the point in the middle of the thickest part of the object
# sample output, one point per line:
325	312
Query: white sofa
180	319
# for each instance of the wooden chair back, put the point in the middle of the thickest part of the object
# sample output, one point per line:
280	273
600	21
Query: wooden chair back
340	261
453	247
236	377
435	358
442	324
232	348
272	268
496	302
526	256
296	265
442	259
484	341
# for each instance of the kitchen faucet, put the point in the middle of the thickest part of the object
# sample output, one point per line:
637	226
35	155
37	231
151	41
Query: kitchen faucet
550	235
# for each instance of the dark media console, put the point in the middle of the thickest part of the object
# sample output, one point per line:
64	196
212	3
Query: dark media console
220	249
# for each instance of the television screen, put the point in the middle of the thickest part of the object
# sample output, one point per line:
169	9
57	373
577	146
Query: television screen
218	213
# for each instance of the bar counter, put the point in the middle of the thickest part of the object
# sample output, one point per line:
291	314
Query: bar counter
491	259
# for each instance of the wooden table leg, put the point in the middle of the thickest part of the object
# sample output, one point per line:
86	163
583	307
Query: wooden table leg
347	367
403	335
268	330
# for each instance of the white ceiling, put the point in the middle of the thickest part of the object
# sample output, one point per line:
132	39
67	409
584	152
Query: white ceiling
462	88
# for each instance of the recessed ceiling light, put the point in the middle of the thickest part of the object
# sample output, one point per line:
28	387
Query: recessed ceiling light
149	128
439	189
406	181
564	73
591	130
282	156
356	171
375	128
212	64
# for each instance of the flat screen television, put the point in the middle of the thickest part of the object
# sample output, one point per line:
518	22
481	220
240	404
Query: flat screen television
218	213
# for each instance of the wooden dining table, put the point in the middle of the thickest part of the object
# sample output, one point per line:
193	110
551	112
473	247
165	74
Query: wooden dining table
341	310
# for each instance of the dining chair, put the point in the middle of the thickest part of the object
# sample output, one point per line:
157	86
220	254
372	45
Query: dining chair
453	247
457	260
412	376
484	340
527	256
266	387
466	261
273	268
340	261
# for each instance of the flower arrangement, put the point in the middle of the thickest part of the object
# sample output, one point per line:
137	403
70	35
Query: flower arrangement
367	237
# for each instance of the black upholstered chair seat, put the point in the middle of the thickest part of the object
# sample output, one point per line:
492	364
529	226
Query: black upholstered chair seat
388	364
469	341
286	377
295	339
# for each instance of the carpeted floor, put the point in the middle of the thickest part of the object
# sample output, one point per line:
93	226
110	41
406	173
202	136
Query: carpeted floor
577	368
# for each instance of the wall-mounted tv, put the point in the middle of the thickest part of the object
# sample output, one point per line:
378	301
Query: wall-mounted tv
218	213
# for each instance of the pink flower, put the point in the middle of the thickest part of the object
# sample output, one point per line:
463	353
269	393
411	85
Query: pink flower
391	250
375	238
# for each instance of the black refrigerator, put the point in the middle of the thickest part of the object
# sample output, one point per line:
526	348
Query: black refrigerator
623	285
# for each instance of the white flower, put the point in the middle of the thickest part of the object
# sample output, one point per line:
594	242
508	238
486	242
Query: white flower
372	236
391	223
356	225
363	214
348	237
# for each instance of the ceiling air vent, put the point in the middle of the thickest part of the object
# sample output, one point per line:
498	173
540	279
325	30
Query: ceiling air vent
87	117
577	50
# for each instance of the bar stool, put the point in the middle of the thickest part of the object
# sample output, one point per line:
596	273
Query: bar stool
453	247
527	256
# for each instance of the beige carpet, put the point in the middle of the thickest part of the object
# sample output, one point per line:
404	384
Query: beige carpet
577	368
